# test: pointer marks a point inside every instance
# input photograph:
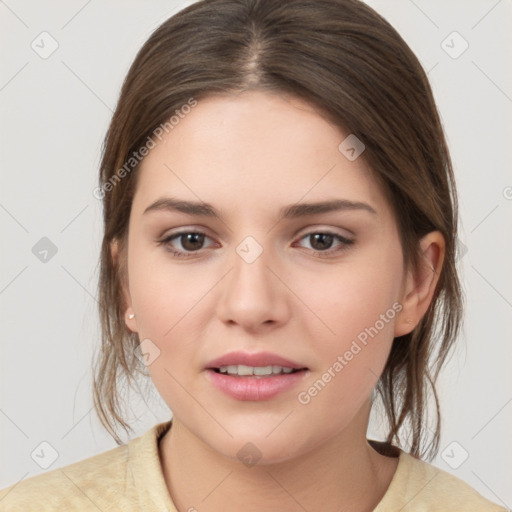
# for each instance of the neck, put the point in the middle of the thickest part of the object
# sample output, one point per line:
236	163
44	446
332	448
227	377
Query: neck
344	473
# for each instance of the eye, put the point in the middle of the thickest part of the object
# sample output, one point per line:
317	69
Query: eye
190	242
185	243
321	242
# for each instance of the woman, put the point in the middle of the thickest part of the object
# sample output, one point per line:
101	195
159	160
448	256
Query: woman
279	254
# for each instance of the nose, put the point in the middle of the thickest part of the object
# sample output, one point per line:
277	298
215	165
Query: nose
254	296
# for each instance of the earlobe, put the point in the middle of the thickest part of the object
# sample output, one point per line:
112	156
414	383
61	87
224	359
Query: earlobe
130	320
420	283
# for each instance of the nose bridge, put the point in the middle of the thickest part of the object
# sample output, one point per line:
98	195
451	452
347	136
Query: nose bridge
252	293
251	279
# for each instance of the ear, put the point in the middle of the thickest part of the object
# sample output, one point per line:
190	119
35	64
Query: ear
420	283
119	262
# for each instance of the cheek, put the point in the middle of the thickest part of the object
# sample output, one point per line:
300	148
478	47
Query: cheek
354	298
168	299
358	306
164	294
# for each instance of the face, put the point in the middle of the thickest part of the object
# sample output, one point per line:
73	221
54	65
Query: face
256	282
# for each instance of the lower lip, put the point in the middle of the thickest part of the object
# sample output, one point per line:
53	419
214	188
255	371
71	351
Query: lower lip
252	387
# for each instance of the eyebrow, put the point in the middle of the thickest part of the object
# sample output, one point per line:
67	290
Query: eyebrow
287	212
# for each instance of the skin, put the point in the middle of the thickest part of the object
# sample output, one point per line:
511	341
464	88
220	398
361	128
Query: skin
248	155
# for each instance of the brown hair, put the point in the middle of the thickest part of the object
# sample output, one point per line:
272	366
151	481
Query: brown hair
347	61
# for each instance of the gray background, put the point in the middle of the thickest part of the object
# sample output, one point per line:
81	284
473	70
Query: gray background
54	114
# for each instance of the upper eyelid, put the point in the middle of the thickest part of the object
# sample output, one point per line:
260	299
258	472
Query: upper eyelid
303	232
306	230
334	231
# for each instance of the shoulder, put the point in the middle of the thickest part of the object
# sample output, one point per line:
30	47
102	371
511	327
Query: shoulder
103	482
418	485
79	486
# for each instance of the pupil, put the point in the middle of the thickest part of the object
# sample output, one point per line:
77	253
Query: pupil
194	238
324	238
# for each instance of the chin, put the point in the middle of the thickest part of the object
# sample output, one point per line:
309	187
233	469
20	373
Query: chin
261	443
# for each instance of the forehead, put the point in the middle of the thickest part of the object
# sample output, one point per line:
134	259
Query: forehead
253	150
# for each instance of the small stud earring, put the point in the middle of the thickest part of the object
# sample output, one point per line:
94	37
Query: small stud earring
131	316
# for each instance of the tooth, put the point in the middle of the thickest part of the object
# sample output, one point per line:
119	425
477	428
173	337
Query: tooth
263	370
245	370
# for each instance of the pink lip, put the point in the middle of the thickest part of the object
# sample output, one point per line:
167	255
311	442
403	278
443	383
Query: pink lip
259	359
252	387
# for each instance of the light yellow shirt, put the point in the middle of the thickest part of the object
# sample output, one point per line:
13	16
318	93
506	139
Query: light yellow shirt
129	478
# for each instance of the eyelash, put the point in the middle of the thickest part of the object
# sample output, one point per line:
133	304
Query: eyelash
346	242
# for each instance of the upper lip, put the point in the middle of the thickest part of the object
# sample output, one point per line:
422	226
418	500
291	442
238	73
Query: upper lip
257	359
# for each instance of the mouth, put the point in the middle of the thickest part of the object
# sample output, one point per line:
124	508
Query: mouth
242	370
254	377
